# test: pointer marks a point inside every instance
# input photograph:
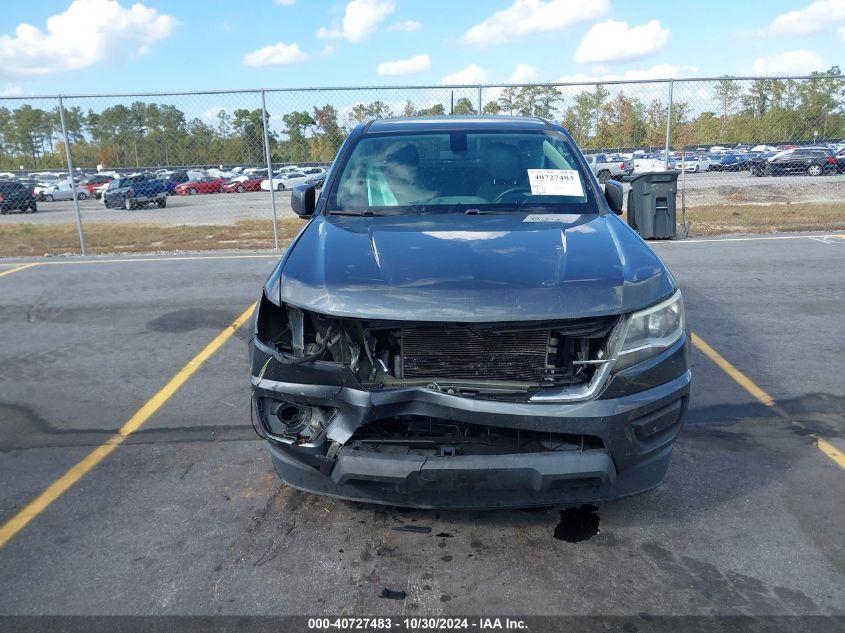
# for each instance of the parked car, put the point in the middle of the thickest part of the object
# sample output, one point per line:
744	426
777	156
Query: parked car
241	184
605	167
62	191
729	162
286	181
426	341
132	192
92	182
692	163
99	189
206	184
16	196
813	161
840	162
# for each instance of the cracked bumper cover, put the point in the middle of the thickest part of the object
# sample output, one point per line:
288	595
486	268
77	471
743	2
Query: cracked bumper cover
637	415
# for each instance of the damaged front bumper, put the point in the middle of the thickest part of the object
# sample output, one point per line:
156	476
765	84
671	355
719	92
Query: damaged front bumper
469	452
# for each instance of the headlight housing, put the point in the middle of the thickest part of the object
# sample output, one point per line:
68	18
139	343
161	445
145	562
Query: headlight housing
651	331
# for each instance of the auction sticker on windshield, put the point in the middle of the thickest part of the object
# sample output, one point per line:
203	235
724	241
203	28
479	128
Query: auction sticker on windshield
555	182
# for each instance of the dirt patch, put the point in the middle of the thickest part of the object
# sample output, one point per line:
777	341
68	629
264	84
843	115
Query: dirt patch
28	240
22	240
770	218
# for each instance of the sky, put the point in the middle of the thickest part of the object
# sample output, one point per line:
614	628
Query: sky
108	46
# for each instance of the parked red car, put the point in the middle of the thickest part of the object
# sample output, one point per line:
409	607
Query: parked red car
207	184
92	182
239	186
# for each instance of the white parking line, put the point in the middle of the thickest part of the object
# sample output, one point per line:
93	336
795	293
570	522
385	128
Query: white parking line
752	239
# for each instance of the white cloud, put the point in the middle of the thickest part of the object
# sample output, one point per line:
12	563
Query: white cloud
614	41
89	31
328	49
658	71
472	74
814	18
276	54
800	62
286	3
524	17
523	74
415	64
11	91
407	25
842	33
360	20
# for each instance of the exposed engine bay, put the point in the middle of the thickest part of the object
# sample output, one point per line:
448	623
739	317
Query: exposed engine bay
468	359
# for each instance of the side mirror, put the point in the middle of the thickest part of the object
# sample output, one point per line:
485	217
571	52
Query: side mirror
303	200
613	194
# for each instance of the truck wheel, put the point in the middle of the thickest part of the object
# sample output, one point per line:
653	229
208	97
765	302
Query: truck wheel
192	191
161	202
127	204
604	176
48	198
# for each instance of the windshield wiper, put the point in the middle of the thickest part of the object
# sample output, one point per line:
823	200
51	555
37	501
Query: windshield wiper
488	211
366	213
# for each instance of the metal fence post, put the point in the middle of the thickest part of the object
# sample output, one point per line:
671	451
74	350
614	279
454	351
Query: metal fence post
70	173
479	100
269	170
668	127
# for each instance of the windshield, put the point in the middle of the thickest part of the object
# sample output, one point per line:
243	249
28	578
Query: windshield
462	172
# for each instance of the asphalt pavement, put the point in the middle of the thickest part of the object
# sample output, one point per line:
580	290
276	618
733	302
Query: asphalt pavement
187	516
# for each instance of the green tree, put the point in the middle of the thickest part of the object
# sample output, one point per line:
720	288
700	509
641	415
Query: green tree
728	94
329	135
438	109
464	106
492	107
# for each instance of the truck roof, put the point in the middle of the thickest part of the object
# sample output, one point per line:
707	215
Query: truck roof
452	123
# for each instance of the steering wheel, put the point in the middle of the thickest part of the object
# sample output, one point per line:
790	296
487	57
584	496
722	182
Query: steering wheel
525	191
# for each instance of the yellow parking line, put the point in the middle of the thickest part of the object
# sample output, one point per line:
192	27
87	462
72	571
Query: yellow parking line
741	379
831	451
746	383
17	269
77	472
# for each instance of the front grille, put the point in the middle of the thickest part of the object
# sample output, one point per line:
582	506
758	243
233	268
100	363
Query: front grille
465	354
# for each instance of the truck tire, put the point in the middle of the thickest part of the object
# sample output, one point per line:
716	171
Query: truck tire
161	202
48	198
127	204
603	176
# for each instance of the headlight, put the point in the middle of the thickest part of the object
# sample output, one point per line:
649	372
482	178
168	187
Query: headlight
651	331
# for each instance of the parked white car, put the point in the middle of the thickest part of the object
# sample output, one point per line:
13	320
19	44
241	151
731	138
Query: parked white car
693	163
290	179
62	191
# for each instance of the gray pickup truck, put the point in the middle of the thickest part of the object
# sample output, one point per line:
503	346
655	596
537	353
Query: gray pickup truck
610	166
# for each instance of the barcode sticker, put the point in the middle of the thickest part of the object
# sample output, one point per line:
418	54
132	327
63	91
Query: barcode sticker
555	182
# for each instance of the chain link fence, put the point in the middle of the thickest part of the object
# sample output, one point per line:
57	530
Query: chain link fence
226	160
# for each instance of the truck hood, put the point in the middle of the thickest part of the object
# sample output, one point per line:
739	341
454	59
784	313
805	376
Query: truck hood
454	267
